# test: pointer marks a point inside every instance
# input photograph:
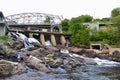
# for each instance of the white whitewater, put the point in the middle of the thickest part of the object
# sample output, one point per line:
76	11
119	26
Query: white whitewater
27	41
98	61
64	51
48	43
105	62
32	40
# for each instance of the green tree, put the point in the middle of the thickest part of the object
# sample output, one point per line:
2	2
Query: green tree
115	18
65	25
115	12
96	20
104	36
81	19
80	34
85	18
116	21
105	20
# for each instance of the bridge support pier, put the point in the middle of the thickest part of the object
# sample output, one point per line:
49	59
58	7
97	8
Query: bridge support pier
2	30
30	35
62	40
53	40
42	39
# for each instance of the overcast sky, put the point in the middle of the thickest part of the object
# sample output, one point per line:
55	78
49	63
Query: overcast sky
66	8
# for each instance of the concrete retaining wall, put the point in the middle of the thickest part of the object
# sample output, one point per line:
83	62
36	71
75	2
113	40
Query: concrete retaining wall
2	30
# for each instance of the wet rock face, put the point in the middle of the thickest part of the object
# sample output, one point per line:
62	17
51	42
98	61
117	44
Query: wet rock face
5	69
75	49
5	51
36	63
115	56
3	47
22	41
71	63
85	52
18	44
10	68
56	63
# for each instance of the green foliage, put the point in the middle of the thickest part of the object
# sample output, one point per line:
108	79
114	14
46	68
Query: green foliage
97	20
80	34
65	25
115	18
103	20
4	38
115	12
116	21
81	19
86	18
104	36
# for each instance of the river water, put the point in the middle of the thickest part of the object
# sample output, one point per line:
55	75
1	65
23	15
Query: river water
104	70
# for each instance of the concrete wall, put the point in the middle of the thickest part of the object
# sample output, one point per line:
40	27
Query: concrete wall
2	30
93	25
2	25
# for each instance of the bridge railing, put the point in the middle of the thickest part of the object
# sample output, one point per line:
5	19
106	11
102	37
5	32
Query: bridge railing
33	18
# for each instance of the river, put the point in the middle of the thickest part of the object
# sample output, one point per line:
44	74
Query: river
104	70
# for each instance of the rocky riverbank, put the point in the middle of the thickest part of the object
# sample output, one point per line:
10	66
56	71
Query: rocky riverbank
115	56
46	59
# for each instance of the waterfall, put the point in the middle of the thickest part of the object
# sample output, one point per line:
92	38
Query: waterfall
28	42
48	43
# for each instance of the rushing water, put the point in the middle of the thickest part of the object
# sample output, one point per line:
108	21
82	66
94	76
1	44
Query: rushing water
105	70
97	73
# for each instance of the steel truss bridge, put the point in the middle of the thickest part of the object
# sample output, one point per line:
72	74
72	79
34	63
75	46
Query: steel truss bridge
42	20
33	18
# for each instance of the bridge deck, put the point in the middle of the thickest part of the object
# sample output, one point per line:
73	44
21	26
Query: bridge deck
32	31
1	23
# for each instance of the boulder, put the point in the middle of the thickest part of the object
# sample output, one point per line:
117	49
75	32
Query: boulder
51	48
71	63
10	68
18	44
115	56
35	44
89	62
6	51
40	52
56	63
36	63
74	49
